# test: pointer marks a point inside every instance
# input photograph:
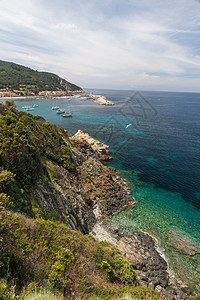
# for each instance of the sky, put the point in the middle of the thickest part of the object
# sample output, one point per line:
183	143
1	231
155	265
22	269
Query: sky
111	44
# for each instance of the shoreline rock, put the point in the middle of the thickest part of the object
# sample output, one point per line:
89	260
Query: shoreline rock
107	193
140	249
101	100
101	149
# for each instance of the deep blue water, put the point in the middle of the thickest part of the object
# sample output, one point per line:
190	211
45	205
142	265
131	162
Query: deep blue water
159	153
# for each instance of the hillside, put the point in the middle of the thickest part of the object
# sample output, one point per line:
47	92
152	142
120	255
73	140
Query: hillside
50	190
17	77
56	198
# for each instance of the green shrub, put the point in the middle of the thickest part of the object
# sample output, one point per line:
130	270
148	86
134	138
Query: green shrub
6	292
58	274
125	270
99	255
67	160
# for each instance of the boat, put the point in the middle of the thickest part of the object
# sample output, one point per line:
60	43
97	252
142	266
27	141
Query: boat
26	107
29	109
55	107
67	115
60	111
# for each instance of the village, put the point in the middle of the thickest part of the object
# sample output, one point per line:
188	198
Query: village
27	91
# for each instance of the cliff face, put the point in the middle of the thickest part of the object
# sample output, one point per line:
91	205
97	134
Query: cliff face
79	199
57	177
91	147
44	176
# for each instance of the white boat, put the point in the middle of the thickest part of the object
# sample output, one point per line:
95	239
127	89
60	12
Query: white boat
29	109
55	107
26	107
67	115
60	111
35	105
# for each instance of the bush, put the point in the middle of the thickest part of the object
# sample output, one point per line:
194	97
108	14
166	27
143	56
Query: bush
116	267
125	270
6	292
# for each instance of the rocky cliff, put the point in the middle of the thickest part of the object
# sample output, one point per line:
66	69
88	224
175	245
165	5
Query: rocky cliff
97	194
48	174
84	142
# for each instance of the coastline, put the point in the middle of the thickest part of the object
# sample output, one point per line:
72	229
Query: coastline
34	97
161	251
140	248
23	97
99	99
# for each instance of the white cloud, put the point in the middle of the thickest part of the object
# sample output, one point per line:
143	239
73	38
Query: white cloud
118	45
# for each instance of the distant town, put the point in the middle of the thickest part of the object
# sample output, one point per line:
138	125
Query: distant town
24	90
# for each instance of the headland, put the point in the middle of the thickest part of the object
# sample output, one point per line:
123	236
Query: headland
62	178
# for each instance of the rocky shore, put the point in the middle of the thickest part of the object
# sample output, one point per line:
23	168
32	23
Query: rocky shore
82	140
87	199
141	250
101	100
63	179
108	195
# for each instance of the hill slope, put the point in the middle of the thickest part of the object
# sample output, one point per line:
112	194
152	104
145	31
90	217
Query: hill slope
44	176
54	191
13	75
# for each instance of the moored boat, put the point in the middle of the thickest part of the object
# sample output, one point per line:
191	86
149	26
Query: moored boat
60	111
29	109
26	107
67	115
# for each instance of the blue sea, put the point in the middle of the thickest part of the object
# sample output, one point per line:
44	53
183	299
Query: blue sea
155	141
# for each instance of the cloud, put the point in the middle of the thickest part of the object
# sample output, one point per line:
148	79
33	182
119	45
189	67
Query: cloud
112	44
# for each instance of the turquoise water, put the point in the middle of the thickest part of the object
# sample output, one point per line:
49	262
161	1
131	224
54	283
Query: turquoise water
167	216
159	154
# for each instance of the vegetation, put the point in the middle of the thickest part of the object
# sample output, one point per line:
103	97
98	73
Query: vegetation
44	254
24	141
14	76
44	259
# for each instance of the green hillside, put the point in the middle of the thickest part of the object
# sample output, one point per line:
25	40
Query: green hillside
12	76
41	199
50	185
